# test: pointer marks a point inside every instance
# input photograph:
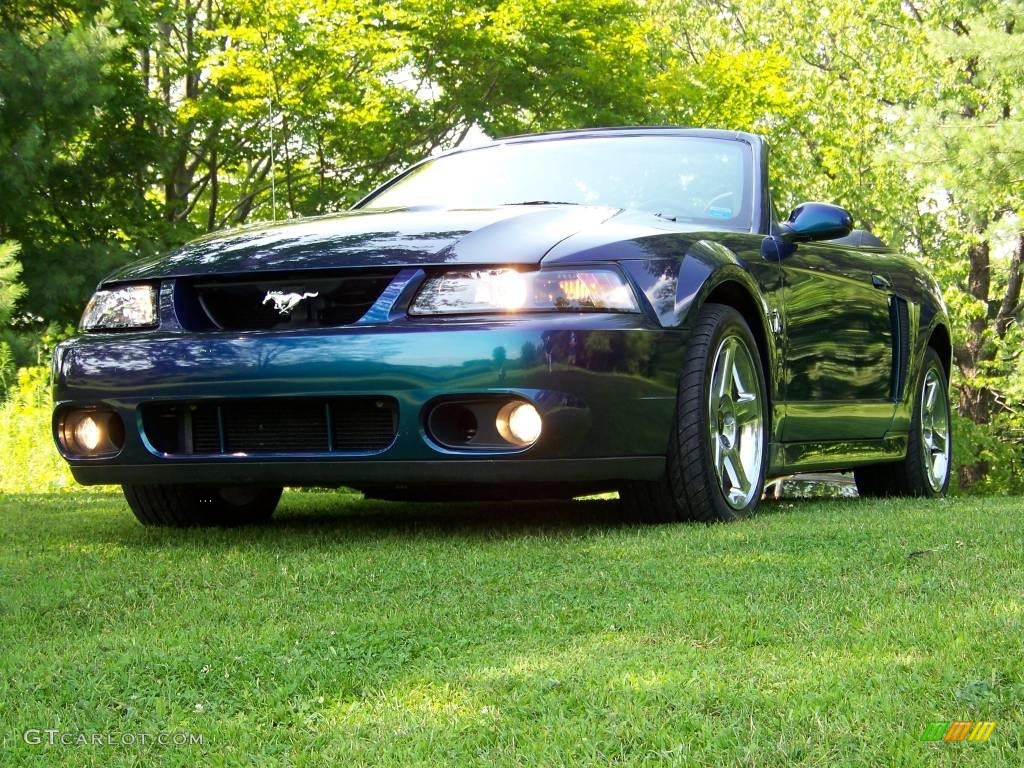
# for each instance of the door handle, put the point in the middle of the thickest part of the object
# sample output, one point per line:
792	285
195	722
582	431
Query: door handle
881	282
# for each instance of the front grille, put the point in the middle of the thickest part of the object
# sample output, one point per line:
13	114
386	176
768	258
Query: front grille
202	422
284	301
338	425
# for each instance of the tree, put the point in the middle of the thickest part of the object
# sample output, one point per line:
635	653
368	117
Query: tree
10	288
823	83
968	153
971	154
134	126
73	137
909	115
289	109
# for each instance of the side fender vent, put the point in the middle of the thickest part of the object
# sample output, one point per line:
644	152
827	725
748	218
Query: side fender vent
899	314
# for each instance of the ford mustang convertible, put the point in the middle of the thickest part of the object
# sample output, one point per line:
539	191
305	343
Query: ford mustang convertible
541	317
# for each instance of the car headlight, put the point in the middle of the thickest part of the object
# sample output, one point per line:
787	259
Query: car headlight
127	306
507	290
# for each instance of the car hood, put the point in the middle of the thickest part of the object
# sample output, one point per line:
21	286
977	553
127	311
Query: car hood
391	238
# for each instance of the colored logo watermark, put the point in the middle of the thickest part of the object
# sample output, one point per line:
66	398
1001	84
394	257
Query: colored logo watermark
958	730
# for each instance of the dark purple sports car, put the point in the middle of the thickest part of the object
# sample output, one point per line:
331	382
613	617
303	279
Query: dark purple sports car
544	316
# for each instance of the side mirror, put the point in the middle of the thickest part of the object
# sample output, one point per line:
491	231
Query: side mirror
816	221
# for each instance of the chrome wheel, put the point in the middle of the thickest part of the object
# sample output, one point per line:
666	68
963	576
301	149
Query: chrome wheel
935	430
736	421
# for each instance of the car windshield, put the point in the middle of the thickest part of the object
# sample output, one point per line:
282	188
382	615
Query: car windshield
689	179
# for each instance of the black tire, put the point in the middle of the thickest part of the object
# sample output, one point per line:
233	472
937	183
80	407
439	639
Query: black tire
910	476
690	489
182	506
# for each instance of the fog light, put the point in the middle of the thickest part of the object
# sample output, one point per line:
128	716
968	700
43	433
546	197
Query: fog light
88	434
519	423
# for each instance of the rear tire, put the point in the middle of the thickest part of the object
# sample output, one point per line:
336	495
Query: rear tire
926	468
718	449
182	506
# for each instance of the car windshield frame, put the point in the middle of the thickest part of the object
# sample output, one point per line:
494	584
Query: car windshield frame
742	219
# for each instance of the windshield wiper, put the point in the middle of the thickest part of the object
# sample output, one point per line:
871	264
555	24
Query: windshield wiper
542	202
678	217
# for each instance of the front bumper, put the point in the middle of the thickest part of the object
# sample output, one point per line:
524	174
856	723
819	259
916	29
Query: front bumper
605	385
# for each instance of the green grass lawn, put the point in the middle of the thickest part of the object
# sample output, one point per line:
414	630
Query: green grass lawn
818	633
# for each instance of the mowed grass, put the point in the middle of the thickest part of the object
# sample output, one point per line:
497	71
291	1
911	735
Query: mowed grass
818	633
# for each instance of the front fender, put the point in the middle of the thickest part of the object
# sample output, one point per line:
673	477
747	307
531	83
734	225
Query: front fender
733	273
676	288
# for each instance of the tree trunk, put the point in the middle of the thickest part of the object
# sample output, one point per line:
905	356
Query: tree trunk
976	350
211	212
975	401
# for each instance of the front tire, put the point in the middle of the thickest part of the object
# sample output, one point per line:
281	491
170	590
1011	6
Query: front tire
718	448
926	468
181	506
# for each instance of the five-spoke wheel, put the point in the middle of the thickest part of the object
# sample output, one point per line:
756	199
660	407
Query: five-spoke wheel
935	430
715	464
736	421
925	469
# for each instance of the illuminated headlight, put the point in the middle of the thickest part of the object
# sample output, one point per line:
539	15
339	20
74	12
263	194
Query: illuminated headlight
127	306
506	290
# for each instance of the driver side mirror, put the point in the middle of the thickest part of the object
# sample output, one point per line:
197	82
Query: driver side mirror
816	221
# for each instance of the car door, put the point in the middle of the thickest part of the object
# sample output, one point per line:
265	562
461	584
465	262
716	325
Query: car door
838	344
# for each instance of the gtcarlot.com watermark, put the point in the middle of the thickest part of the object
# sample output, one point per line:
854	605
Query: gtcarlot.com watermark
56	737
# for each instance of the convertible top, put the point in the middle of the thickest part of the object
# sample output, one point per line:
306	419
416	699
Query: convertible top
860	237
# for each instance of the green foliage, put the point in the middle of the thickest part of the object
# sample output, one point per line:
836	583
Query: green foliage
29	463
10	288
964	155
969	141
128	127
908	115
993	446
525	65
821	82
139	125
7	369
341	94
76	148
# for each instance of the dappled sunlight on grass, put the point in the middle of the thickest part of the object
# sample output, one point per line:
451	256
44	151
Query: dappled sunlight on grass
401	634
411	708
102	549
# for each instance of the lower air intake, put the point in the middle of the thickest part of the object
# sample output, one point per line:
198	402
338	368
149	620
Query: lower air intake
272	426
